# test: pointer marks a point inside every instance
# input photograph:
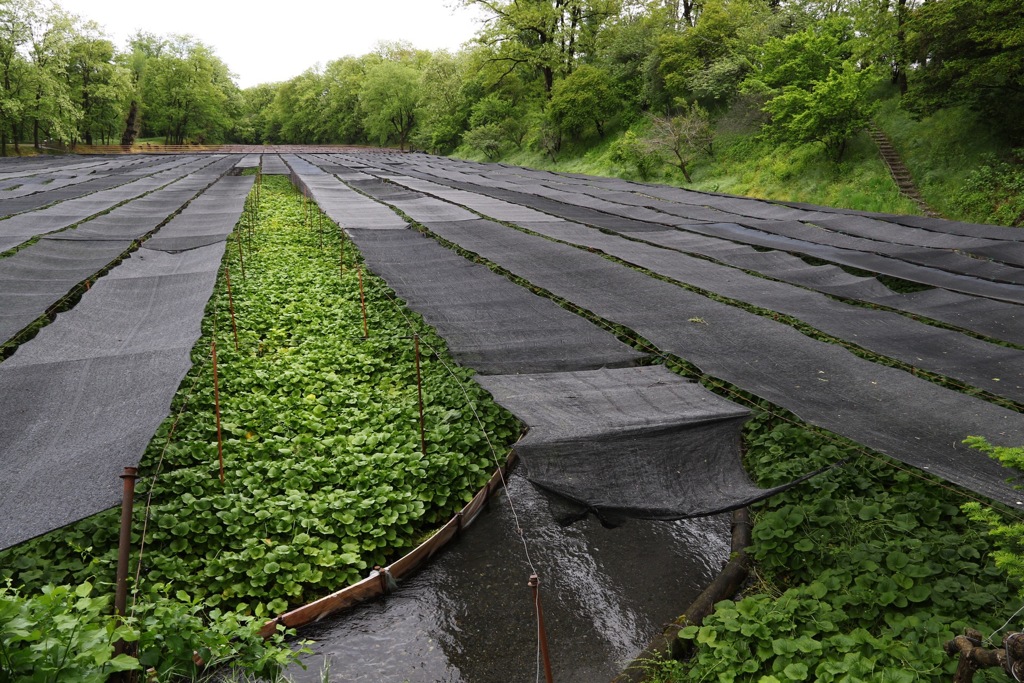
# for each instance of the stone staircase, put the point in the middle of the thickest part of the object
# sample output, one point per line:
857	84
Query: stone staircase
900	173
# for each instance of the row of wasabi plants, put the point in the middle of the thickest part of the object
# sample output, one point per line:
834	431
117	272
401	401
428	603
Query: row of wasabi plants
323	471
861	574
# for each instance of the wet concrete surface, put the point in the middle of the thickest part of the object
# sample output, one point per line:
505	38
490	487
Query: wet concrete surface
468	616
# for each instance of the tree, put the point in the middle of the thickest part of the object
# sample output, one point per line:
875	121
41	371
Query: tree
298	109
51	111
98	86
142	48
14	69
188	94
684	137
968	52
256	103
708	61
585	96
550	37
388	101
443	105
830	111
341	118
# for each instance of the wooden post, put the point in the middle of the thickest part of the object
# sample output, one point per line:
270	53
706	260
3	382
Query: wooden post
542	635
241	259
125	541
231	304
362	300
419	390
216	411
124	548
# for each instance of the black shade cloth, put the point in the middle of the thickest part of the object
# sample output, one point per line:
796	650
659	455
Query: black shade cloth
490	323
82	399
19	229
746	220
889	410
633	442
38	276
497	327
272	164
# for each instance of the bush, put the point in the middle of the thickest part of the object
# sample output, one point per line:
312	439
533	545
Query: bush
65	633
994	191
62	634
631	150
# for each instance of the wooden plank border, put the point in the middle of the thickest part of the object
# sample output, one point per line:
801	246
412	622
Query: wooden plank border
382	583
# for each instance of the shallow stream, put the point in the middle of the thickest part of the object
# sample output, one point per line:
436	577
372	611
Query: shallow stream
468	616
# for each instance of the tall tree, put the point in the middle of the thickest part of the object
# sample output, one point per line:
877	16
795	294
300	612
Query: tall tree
586	96
444	109
969	52
388	100
97	84
188	93
141	48
52	111
341	118
14	68
547	36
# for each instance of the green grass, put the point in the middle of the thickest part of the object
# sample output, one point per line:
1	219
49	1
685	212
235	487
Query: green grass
949	155
963	169
744	165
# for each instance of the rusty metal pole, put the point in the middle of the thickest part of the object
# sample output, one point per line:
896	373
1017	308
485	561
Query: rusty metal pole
362	300
123	550
231	304
216	410
542	635
125	542
241	259
419	390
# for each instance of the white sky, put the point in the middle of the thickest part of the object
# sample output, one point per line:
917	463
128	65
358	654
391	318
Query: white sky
264	41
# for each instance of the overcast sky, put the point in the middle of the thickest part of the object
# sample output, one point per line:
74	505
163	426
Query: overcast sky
264	42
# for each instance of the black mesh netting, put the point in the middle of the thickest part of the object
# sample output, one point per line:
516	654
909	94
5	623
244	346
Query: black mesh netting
35	278
632	442
889	410
20	228
274	165
82	399
967	360
208	219
104	179
490	324
775	226
498	327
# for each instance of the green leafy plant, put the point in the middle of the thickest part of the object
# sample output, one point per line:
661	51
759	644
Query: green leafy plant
63	633
325	475
862	573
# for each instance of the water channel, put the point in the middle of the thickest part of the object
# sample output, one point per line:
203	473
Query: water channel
468	616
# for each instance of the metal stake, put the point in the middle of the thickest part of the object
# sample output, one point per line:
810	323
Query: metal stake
362	300
534	583
419	389
216	410
231	303
124	548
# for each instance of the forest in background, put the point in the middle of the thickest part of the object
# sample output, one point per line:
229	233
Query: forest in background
687	91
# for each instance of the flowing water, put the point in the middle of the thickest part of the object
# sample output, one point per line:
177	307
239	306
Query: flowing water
468	616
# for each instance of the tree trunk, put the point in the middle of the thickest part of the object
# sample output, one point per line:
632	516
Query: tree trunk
131	125
901	40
